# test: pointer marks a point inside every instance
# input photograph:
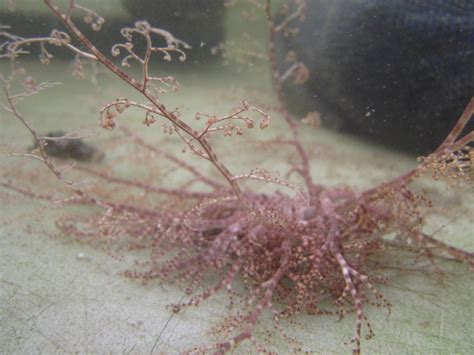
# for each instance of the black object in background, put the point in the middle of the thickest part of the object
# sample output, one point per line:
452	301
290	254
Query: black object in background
57	145
200	23
397	71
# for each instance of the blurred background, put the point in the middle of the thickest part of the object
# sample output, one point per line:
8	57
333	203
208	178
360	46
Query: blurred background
397	73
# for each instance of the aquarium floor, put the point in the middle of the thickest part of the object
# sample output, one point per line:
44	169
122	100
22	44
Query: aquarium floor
59	296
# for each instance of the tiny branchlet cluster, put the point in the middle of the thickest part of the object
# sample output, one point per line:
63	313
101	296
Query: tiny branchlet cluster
282	253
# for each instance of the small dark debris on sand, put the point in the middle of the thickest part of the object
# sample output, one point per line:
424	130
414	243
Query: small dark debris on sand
70	148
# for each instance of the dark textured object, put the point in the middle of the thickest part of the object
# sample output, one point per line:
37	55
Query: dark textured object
70	148
199	23
397	71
